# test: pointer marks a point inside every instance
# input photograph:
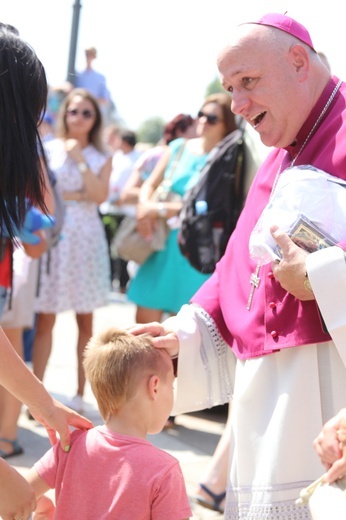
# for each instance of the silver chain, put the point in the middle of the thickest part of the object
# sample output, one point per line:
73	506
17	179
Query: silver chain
320	117
326	106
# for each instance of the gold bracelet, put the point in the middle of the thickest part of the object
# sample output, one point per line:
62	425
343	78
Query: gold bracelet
307	283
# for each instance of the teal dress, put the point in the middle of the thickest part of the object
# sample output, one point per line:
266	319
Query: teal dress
166	280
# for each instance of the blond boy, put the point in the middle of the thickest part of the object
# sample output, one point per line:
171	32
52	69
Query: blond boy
112	471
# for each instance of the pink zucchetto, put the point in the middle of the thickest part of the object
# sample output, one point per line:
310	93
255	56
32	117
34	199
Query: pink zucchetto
287	24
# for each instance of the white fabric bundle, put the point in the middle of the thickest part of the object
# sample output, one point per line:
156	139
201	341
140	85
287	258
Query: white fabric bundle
300	190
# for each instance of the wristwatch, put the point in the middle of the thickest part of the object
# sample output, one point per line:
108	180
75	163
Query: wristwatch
307	283
161	210
82	167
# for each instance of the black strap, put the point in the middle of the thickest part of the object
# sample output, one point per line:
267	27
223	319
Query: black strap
234	187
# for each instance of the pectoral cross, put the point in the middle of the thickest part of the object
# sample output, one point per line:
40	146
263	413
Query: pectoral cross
254	281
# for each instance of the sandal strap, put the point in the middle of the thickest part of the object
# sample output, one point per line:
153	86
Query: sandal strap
216	498
15	443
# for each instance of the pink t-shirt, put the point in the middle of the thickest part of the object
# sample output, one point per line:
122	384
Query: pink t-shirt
110	476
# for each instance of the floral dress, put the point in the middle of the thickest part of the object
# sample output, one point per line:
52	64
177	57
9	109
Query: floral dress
75	274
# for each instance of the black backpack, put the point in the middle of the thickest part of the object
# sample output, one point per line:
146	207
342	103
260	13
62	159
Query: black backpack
203	237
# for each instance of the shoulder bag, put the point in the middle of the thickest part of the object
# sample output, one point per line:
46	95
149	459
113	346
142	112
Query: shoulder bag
128	243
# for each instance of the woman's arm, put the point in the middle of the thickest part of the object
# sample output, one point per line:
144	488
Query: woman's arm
17	499
148	212
95	186
36	250
131	190
78	196
16	377
156	176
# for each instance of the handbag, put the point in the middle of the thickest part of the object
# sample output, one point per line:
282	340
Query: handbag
128	243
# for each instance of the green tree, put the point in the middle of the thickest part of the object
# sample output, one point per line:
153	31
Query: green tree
214	87
151	130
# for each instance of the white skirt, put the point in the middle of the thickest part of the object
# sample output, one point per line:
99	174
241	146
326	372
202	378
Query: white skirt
280	404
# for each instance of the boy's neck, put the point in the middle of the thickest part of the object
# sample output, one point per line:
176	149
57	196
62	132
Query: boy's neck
130	424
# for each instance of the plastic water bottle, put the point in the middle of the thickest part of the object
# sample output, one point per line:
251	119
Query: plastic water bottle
204	237
201	207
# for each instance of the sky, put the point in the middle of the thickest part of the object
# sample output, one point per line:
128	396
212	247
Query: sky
159	56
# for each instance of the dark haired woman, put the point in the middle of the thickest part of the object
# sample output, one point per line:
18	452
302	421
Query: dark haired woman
166	280
23	93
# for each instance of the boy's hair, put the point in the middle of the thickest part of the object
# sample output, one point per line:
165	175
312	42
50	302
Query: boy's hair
116	361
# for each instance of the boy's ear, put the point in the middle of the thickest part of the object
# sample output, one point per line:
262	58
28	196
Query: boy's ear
153	387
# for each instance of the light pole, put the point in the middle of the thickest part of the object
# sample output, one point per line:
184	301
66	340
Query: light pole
71	76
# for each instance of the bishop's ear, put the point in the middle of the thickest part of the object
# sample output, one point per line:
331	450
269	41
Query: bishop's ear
300	60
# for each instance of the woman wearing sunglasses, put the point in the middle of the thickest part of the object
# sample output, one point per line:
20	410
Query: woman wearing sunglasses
166	280
75	273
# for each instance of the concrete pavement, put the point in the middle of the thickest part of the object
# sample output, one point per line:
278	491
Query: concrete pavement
192	441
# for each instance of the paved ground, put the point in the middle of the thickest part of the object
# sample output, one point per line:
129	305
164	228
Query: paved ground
192	441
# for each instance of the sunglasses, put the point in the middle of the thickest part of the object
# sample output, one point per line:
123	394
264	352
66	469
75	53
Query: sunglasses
212	119
87	114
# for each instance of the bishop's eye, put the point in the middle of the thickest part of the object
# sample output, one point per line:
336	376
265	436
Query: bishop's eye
248	82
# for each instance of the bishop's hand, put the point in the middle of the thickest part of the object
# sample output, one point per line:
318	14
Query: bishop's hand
290	272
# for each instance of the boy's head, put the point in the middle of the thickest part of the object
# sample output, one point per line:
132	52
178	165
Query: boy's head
117	363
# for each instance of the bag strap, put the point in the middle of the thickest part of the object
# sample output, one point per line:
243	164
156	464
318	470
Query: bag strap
176	159
234	187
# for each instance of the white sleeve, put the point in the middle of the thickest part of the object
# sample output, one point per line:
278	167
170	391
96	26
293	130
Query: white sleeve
206	364
327	274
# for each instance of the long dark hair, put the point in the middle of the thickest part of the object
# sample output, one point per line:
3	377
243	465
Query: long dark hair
23	96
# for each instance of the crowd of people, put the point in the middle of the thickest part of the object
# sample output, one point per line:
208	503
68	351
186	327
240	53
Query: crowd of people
265	338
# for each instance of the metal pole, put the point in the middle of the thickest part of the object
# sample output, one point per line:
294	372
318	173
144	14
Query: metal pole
71	76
